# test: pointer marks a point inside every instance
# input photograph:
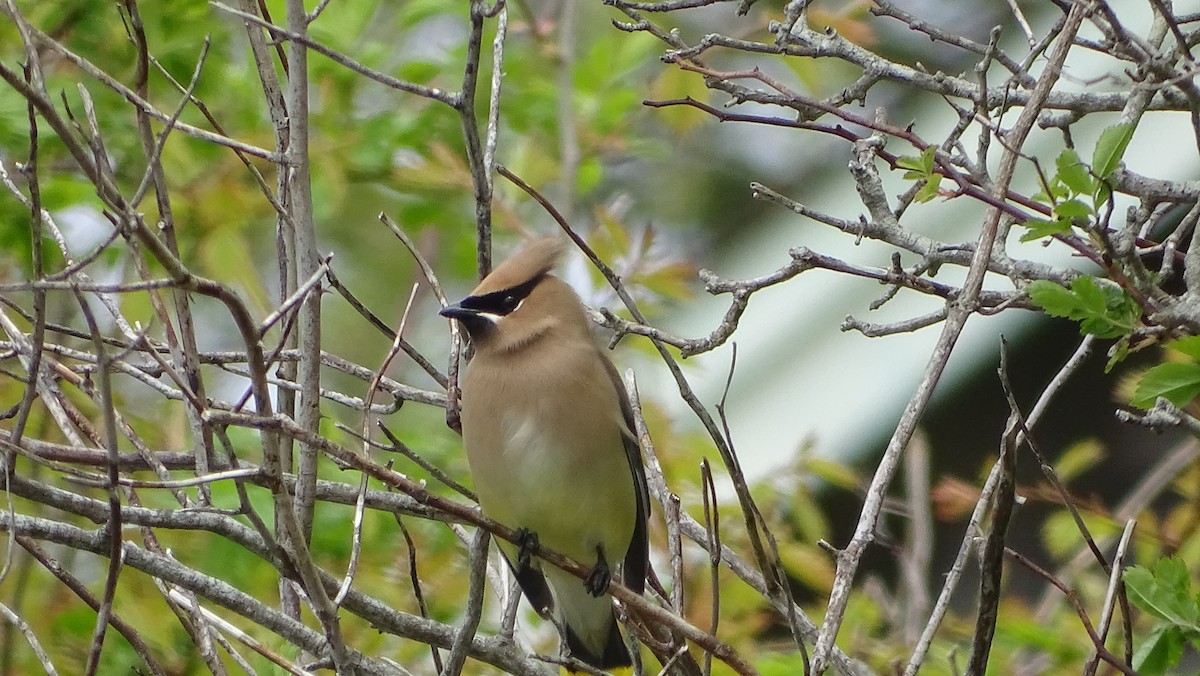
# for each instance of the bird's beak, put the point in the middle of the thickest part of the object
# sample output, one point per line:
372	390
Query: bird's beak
457	311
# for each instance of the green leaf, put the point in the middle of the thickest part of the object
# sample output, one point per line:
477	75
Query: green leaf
1164	592
1189	346
1139	581
923	165
1110	148
1074	173
1041	229
1056	300
1090	296
1178	383
1103	310
927	160
930	189
1072	209
1159	651
1056	191
1059	190
1115	312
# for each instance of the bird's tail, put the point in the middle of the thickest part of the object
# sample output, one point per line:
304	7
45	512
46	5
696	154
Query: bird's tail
614	659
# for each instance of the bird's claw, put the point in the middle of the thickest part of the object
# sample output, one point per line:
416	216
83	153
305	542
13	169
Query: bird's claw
528	544
600	577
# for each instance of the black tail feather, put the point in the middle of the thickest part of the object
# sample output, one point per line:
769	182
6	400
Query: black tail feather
533	583
615	655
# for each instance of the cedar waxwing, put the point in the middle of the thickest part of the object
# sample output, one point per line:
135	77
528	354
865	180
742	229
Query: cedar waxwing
549	438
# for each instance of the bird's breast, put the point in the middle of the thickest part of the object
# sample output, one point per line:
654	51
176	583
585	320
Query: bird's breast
544	428
554	465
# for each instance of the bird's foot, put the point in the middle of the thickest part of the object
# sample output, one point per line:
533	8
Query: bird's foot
528	544
600	577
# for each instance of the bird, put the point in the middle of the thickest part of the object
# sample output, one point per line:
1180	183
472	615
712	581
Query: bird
550	443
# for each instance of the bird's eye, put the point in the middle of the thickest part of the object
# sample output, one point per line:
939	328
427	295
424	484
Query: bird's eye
509	302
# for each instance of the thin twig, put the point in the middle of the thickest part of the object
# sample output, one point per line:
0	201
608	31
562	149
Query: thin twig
712	523
368	419
113	530
292	35
960	311
974	525
474	610
1115	583
1077	605
23	627
991	566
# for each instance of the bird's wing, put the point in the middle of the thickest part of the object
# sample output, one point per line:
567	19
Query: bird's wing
533	583
637	558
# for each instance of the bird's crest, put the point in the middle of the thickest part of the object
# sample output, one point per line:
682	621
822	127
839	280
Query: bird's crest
533	260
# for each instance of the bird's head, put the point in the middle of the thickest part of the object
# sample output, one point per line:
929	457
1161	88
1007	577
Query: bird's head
520	302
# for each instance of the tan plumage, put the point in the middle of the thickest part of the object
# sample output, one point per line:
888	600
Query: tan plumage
547	431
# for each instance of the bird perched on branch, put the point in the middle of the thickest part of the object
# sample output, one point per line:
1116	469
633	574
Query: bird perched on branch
549	438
